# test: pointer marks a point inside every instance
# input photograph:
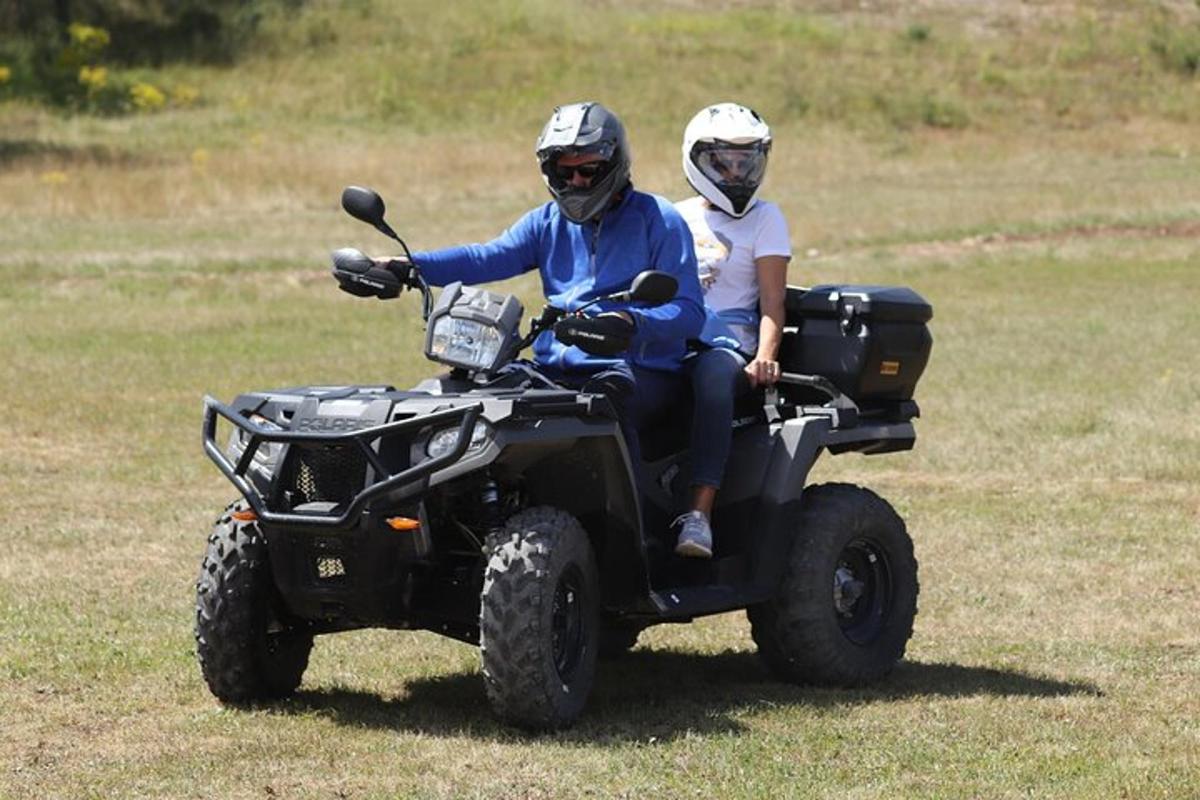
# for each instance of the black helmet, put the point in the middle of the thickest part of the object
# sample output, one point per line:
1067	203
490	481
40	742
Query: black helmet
584	129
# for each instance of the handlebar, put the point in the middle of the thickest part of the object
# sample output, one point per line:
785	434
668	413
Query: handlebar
549	316
426	294
360	275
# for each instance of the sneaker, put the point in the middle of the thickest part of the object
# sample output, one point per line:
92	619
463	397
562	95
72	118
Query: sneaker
695	538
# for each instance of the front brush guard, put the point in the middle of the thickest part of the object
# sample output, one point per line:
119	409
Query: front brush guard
466	416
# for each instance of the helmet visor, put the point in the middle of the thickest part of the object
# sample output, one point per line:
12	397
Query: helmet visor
560	176
731	165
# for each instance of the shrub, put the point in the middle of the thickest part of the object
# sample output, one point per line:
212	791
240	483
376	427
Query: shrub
144	31
1177	47
70	74
918	32
74	73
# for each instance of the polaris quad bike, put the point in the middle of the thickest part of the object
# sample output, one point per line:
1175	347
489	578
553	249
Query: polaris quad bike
492	506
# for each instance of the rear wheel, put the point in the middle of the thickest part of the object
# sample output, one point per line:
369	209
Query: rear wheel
538	620
248	652
845	608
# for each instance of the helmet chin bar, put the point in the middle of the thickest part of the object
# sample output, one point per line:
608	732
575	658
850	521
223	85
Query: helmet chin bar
741	197
734	203
581	205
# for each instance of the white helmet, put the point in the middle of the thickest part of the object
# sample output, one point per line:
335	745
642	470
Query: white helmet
725	151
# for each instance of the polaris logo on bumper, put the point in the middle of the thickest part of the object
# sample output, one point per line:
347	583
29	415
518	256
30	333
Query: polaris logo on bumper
331	424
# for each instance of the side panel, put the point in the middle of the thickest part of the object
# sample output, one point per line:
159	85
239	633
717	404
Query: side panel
581	467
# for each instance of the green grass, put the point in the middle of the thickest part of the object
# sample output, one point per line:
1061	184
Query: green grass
1053	494
1052	497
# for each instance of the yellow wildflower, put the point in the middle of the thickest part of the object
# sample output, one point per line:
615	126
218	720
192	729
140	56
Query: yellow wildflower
87	35
93	77
199	158
5	74
54	177
185	96
147	97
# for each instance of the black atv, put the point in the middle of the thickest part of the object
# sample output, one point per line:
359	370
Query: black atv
495	507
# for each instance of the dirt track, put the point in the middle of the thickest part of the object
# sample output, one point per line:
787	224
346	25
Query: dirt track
1184	229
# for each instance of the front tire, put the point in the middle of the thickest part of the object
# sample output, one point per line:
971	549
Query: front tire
845	608
538	619
247	653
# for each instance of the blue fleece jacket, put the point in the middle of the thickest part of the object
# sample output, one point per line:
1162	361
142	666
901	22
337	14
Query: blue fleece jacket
580	262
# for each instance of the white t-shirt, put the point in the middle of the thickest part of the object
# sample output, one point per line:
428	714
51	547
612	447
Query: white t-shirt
725	251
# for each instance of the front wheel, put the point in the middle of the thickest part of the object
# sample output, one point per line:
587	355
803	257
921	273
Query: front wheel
538	619
247	651
844	611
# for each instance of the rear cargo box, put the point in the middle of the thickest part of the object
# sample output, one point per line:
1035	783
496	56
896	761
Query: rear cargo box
871	342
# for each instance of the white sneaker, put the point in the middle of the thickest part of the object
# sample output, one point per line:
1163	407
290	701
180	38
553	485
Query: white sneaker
695	538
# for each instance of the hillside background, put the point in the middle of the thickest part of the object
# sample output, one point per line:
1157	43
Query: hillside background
169	183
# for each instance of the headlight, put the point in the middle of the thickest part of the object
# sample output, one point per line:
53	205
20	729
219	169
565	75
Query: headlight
445	440
471	328
464	342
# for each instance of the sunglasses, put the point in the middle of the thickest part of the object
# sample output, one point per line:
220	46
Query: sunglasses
586	171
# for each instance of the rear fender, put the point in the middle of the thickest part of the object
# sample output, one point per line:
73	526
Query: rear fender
799	443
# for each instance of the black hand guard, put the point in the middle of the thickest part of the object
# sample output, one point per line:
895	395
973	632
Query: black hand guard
360	276
603	335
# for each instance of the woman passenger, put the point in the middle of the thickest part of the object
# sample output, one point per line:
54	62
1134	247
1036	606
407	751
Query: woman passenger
742	249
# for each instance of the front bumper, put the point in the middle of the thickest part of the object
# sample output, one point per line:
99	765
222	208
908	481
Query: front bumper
364	443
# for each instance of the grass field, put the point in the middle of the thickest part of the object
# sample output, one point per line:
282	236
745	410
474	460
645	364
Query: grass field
1053	496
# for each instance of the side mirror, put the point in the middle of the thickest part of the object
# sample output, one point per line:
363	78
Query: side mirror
652	286
363	204
366	205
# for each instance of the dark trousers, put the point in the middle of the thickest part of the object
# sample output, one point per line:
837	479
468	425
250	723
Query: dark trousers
717	378
640	397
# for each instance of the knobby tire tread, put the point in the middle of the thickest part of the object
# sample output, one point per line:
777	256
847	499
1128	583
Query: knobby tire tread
233	596
797	635
520	580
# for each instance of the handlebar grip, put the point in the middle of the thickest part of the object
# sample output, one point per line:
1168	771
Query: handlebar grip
406	272
359	275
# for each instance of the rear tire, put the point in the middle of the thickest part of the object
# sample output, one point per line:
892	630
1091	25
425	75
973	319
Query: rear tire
845	608
538	619
247	653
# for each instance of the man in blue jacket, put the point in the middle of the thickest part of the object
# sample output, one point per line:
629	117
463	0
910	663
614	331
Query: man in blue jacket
596	235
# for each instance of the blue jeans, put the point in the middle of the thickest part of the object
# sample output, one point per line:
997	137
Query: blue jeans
717	379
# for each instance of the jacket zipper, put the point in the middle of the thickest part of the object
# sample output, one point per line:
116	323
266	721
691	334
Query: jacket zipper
592	248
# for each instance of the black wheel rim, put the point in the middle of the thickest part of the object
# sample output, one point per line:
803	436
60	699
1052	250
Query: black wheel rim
862	591
566	623
276	638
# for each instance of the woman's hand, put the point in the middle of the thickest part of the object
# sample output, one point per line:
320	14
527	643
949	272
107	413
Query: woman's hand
762	372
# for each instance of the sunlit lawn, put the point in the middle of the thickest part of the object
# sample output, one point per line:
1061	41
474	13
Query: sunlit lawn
1053	494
